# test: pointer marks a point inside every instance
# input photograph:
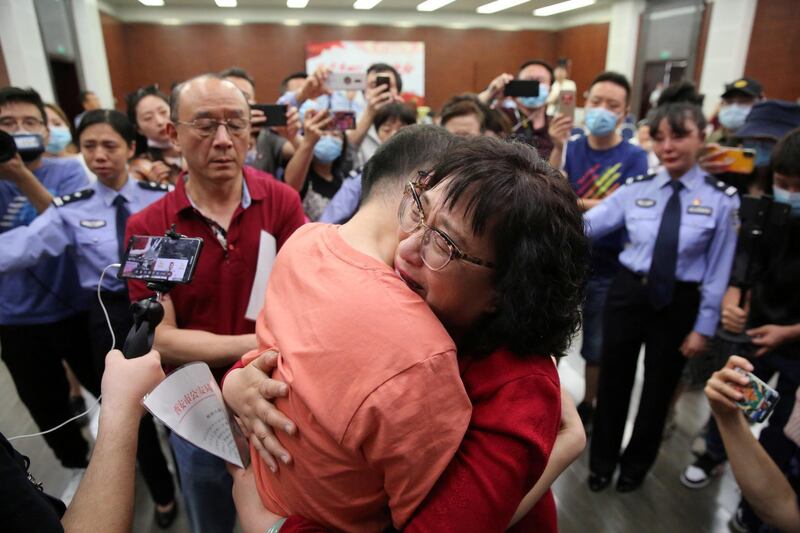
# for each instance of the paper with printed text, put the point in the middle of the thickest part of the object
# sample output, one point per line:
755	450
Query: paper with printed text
190	403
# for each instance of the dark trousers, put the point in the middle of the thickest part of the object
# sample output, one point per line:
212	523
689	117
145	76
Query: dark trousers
629	321
33	354
152	463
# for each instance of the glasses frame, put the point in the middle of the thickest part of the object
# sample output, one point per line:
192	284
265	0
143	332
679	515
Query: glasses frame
20	124
455	252
217	124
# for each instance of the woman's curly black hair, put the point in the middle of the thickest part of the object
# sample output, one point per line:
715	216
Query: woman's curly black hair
532	217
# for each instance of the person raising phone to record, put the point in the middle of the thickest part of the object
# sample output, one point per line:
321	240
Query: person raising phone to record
597	164
772	493
87	226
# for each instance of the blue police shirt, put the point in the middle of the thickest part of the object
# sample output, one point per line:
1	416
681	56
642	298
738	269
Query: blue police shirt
48	290
345	202
83	222
594	175
706	241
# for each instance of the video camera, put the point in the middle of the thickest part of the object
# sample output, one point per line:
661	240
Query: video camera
28	145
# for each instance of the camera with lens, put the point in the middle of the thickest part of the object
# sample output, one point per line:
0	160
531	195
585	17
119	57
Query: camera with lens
28	145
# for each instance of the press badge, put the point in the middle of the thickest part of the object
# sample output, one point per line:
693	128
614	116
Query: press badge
645	202
699	210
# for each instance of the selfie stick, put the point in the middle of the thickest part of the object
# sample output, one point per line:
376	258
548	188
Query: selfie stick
758	214
147	314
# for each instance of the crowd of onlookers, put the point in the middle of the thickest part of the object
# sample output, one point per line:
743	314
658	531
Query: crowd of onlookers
519	220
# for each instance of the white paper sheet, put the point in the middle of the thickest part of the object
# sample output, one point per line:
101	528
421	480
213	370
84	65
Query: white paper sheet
267	248
190	403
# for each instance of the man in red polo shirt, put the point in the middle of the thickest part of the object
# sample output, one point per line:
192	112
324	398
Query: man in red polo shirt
244	216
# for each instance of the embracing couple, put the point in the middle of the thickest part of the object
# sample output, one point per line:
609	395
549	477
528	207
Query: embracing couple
417	342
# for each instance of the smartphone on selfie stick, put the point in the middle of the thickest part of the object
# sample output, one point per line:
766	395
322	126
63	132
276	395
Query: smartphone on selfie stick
161	262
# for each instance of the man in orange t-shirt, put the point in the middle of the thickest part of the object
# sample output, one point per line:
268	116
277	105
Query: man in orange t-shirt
375	386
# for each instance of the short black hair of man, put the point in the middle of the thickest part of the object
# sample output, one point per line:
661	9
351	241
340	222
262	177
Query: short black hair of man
237	72
412	149
118	121
613	77
684	91
676	116
385	67
541	64
299	75
394	111
531	216
786	155
29	96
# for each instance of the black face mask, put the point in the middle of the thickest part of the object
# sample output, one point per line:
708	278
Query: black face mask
29	145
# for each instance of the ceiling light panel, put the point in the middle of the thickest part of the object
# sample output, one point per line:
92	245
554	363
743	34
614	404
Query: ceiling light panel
561	7
296	4
225	3
433	5
499	5
152	3
366	4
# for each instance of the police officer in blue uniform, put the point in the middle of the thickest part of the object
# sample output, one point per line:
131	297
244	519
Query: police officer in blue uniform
90	225
682	227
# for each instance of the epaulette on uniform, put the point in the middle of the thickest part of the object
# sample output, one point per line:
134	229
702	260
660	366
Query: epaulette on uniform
61	201
157	187
724	188
639	179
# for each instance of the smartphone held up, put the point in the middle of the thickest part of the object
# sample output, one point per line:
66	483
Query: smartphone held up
346	81
161	259
566	103
274	113
741	160
759	398
343	120
521	88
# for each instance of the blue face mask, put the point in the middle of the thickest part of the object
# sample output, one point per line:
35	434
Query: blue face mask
787	197
60	137
328	149
732	116
533	102
600	121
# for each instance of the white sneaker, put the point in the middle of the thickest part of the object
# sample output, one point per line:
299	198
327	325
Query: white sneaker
76	474
699	474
